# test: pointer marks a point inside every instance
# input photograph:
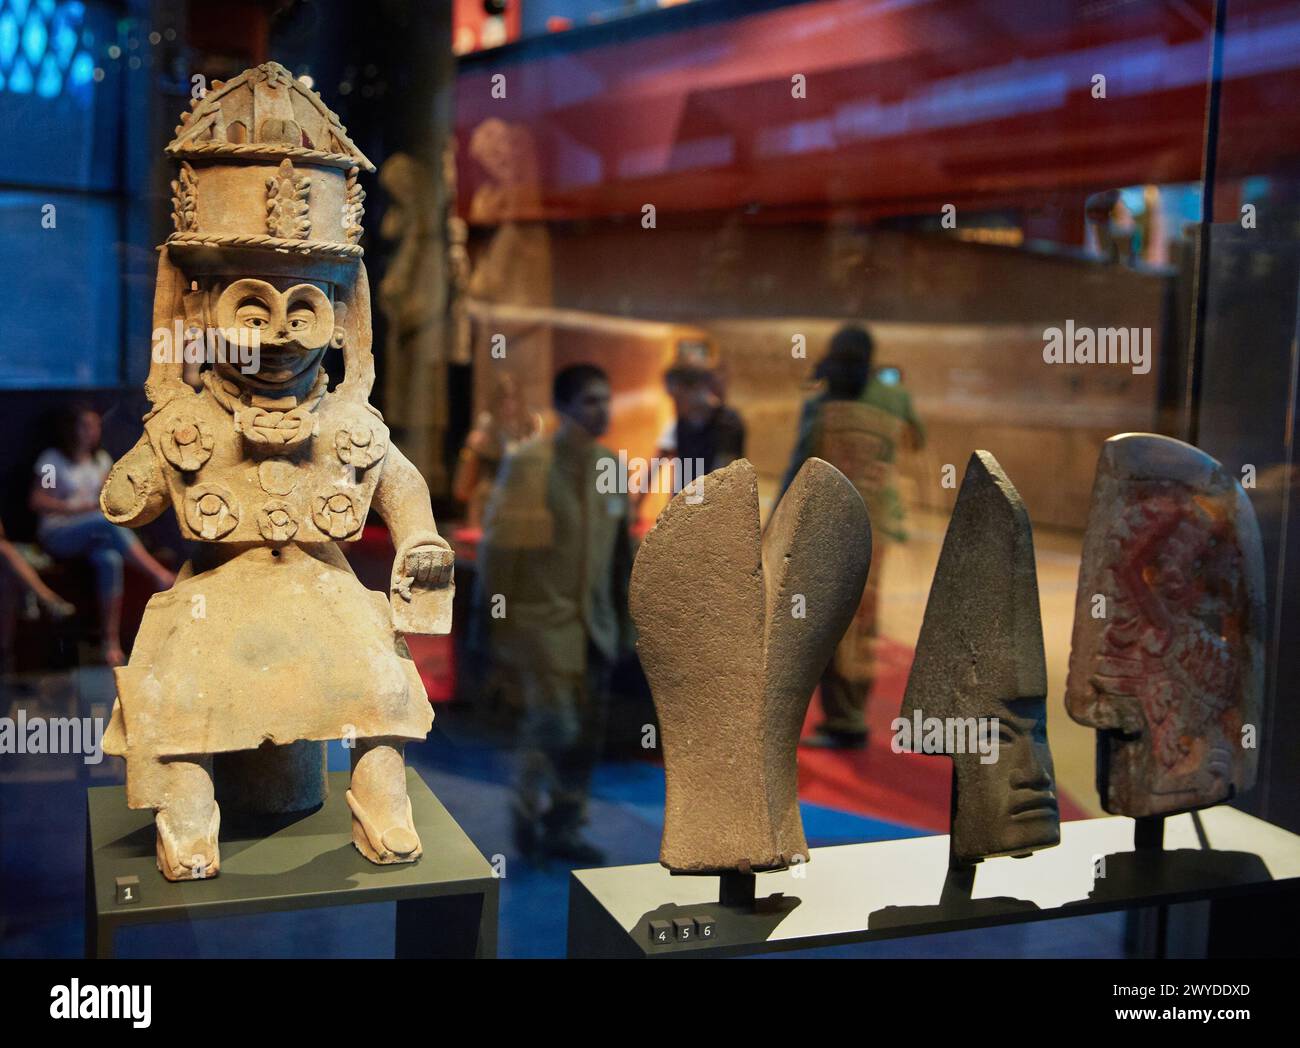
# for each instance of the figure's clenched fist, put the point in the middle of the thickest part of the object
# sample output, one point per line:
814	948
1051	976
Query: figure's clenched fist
427	566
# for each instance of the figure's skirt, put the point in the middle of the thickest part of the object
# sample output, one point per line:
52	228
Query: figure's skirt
271	645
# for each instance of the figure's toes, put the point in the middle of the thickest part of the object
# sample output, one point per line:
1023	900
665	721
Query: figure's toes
187	853
400	841
384	839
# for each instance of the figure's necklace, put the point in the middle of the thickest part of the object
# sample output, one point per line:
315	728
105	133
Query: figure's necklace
279	422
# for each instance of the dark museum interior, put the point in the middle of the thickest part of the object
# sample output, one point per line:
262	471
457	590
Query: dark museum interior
618	478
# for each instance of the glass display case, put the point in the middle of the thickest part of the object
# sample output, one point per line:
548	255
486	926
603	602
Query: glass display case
606	251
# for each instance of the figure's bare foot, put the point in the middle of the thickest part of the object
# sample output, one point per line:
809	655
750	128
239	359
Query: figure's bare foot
113	655
383	828
187	826
188	852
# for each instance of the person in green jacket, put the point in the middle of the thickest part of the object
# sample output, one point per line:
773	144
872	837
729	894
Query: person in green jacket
857	424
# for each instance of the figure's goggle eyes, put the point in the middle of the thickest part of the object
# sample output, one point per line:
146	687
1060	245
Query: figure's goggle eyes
253	315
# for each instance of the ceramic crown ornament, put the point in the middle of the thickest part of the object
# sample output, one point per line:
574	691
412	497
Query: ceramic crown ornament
268	645
734	630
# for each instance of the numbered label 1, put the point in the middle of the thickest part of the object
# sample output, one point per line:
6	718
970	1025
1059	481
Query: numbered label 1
128	890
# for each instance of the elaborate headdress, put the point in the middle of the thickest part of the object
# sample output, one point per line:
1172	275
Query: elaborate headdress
267	186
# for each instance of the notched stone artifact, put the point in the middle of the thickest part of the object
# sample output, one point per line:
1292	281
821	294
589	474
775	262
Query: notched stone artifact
1167	661
734	631
978	687
268	645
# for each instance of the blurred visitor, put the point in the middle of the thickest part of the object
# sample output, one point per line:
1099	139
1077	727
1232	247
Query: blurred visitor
497	432
554	565
40	599
706	434
857	424
16	567
65	497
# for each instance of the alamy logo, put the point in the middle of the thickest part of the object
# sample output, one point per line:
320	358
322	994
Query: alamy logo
947	735
102	1002
1086	345
195	345
76	735
638	476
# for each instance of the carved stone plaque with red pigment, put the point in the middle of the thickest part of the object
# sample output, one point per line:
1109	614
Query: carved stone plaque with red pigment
1167	660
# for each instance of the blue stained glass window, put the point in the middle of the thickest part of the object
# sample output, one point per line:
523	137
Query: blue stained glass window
35	37
41	43
8	38
64	119
61	275
60	290
20	78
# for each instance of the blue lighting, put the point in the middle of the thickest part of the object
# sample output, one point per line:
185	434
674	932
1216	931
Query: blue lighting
46	49
20	80
35	37
83	70
8	38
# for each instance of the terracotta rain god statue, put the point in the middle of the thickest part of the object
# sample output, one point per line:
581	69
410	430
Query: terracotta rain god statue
1167	661
978	686
734	630
268	645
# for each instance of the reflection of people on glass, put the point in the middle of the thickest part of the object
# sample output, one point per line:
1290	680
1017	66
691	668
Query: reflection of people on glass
705	433
65	496
500	429
15	565
554	567
40	598
856	423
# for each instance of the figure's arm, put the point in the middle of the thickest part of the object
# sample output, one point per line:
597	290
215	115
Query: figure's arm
45	501
135	491
424	558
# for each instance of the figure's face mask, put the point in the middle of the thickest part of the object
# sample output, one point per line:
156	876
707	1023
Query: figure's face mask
1165	655
1015	793
291	326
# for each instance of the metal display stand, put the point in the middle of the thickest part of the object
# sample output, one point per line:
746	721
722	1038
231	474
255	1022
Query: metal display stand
892	889
446	901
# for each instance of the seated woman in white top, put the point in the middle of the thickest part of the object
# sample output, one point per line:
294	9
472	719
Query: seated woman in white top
65	497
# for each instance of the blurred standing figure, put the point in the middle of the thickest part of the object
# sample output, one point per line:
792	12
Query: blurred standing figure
856	424
497	432
706	434
554	564
65	497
